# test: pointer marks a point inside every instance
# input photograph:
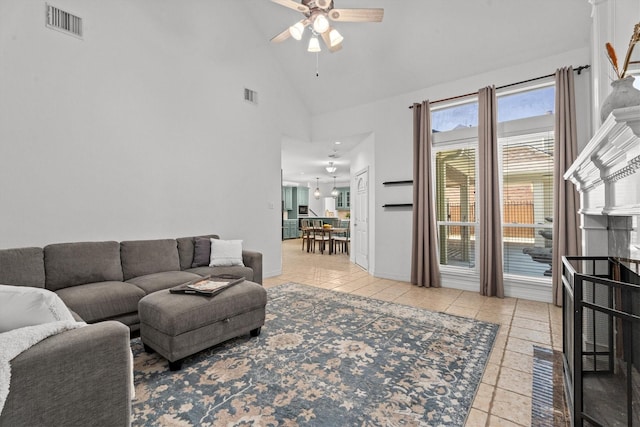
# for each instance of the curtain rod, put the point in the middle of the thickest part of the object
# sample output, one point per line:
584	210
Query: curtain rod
578	69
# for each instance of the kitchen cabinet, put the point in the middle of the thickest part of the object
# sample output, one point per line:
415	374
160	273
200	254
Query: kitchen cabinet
303	196
290	229
287	198
343	201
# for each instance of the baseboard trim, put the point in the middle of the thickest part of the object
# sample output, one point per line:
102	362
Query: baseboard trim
529	289
267	274
391	276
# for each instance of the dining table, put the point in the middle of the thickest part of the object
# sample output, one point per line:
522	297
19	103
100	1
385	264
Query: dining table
329	231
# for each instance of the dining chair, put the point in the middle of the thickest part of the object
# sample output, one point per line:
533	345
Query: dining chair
320	235
341	239
305	224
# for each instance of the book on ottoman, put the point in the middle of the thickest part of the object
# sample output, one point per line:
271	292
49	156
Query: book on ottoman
208	285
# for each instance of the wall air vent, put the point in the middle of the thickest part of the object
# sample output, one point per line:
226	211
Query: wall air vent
251	96
65	22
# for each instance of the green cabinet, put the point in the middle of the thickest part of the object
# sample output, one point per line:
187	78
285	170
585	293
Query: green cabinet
290	229
343	202
303	196
292	197
287	198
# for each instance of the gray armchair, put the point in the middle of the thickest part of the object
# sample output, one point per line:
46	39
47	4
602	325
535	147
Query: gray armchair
80	377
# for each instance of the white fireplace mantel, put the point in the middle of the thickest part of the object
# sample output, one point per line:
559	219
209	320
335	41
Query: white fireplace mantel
605	171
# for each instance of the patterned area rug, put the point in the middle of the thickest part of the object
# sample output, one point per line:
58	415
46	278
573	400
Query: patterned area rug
324	358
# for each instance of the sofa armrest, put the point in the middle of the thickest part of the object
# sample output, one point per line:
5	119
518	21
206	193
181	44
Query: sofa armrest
253	260
80	377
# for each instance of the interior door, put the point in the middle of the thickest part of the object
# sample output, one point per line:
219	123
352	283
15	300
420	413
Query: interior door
361	223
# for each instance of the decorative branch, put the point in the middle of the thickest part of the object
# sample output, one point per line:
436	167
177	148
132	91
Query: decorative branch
613	59
635	38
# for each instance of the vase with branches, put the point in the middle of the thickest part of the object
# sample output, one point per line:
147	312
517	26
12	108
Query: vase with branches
623	93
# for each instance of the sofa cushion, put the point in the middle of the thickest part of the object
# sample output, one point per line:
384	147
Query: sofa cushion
71	264
22	306
235	270
201	252
142	257
158	281
226	253
186	247
102	300
22	267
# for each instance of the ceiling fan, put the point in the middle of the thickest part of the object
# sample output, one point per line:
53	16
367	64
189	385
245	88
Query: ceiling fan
317	14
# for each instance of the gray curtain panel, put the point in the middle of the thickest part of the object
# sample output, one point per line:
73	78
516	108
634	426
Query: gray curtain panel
567	236
425	265
490	255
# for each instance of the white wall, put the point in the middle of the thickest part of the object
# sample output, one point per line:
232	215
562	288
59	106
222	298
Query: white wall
140	130
391	122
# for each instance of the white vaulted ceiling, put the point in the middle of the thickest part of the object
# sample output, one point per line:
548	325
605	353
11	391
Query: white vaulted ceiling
420	43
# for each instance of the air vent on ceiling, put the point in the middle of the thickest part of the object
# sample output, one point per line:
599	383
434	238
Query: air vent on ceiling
251	96
58	19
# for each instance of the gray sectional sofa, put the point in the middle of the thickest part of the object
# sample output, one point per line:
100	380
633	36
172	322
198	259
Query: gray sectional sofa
82	376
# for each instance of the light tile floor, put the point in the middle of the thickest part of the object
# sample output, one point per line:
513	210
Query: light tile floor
504	396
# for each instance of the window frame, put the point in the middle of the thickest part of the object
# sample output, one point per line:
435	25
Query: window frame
521	128
468	138
456	139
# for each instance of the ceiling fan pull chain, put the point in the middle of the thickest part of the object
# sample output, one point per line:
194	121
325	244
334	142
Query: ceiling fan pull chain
317	60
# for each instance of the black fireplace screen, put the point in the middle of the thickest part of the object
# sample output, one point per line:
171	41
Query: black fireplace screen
601	340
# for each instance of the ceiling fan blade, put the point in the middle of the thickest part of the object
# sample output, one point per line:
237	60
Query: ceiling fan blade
356	15
335	48
287	33
292	5
281	37
327	41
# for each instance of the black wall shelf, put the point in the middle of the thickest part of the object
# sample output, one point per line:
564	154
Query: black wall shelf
407	182
398	205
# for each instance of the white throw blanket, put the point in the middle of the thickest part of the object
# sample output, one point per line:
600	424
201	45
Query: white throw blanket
16	341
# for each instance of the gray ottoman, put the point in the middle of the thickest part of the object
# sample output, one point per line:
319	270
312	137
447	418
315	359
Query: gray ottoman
177	325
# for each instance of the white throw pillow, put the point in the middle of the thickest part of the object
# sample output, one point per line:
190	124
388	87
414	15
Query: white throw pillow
225	253
22	306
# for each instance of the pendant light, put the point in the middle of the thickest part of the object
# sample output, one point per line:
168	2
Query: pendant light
330	168
316	193
335	193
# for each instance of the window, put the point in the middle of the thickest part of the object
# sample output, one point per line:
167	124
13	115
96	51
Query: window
527	203
524	104
456	206
525	137
455	117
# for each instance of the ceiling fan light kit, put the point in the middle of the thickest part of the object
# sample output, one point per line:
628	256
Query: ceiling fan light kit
314	45
296	30
335	38
317	14
320	23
